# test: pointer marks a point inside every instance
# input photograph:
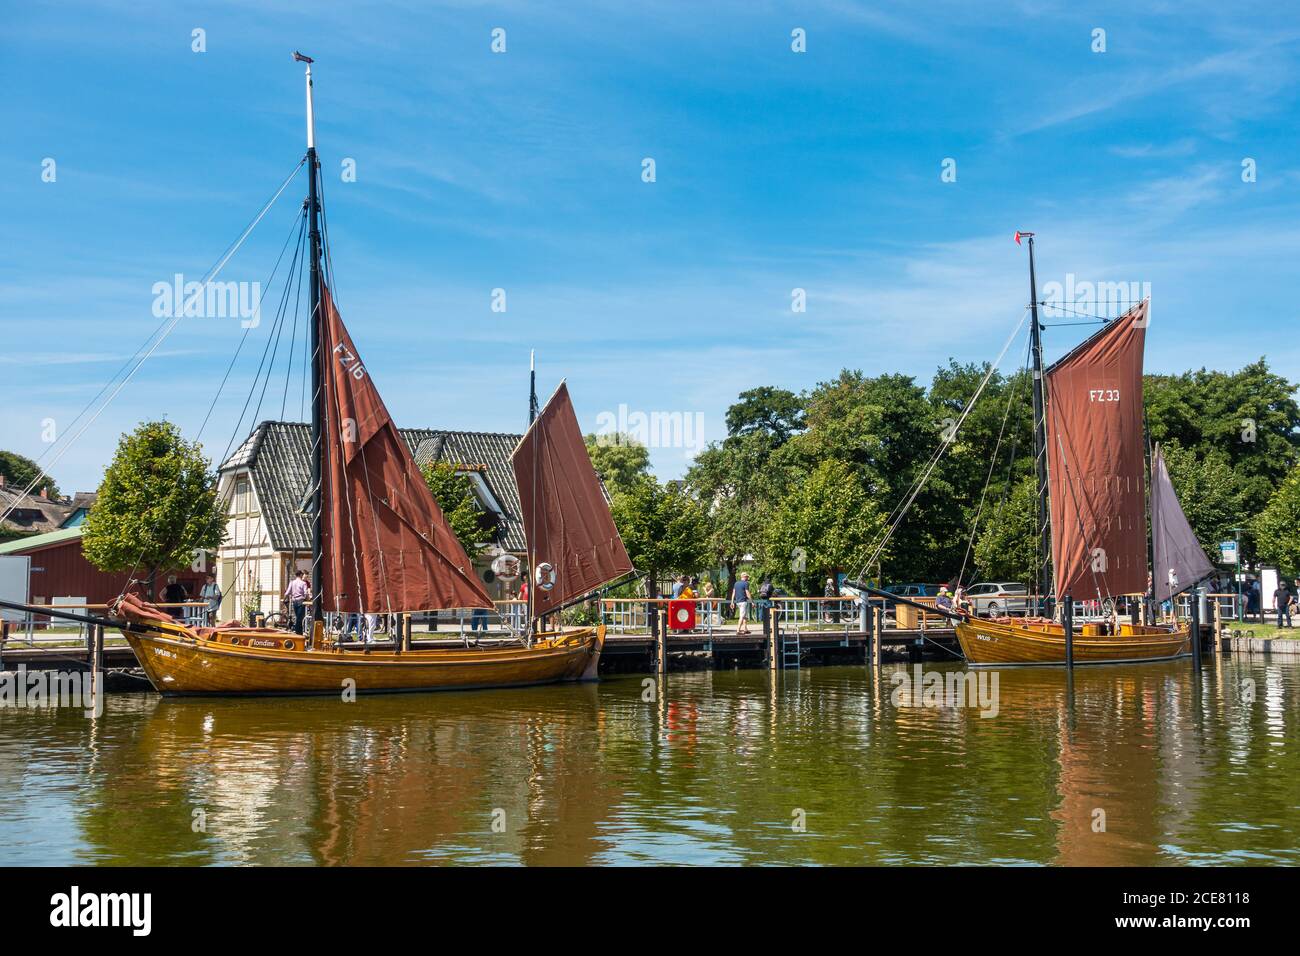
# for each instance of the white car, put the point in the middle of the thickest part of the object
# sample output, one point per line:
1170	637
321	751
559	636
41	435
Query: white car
995	600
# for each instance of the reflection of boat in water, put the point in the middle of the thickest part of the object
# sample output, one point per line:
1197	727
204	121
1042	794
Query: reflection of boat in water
380	544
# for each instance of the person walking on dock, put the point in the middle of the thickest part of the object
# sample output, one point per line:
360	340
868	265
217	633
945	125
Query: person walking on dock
298	593
740	600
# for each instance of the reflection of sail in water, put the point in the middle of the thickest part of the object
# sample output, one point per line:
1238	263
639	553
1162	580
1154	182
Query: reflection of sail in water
1137	759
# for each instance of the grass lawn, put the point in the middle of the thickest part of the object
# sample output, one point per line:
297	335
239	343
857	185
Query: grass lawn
1261	630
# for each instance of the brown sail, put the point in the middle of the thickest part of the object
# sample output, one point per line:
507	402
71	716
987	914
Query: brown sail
1179	560
1095	462
387	546
567	522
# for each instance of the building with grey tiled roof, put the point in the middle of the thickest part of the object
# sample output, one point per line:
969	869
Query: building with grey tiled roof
265	482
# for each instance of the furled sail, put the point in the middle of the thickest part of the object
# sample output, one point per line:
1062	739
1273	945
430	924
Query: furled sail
1178	557
1095	462
386	544
573	545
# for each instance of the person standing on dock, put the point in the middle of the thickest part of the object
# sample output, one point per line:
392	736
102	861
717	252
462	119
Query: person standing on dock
740	600
1282	601
212	594
175	593
298	593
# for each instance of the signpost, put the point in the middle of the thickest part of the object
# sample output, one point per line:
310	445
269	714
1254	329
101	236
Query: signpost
1235	558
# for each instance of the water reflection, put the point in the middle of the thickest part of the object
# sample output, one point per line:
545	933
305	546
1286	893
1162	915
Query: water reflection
1133	765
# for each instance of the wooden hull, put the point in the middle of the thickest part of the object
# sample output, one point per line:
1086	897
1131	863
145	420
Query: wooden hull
1003	643
179	664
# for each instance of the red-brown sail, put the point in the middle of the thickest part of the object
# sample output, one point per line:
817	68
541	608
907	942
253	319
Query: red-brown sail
386	544
566	520
1095	462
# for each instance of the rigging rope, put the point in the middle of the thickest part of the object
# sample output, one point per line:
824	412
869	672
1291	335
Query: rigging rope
993	463
166	328
901	510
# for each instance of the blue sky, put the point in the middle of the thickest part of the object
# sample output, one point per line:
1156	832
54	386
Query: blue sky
775	170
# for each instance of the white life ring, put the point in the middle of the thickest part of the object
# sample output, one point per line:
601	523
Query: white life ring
544	576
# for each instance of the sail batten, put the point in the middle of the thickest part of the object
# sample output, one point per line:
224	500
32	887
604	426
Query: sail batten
1095	462
570	531
386	547
1179	560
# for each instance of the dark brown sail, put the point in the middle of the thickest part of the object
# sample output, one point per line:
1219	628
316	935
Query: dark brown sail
1095	462
1179	559
567	522
387	546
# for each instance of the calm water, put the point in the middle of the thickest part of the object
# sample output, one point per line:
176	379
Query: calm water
714	773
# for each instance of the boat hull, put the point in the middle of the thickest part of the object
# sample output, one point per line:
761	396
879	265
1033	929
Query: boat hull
180	664
1004	643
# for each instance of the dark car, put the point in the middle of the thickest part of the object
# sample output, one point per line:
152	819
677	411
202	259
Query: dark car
912	591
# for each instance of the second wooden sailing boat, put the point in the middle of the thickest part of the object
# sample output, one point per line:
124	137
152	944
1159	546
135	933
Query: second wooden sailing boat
381	545
1090	461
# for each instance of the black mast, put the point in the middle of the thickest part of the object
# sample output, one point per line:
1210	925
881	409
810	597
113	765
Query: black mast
317	360
1040	432
532	387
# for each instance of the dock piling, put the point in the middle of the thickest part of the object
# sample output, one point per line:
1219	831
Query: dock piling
1067	619
1196	630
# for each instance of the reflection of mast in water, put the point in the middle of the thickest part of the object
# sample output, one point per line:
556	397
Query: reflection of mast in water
1134	757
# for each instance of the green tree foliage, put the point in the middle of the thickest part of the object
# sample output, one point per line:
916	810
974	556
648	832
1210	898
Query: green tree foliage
1251	416
1007	546
19	470
1212	494
619	459
157	506
663	526
454	493
774	412
1277	527
734	481
825	525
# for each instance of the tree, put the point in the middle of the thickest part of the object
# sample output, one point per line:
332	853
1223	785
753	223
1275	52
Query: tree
19	470
618	458
454	493
1277	527
774	412
738	481
1007	548
825	525
157	506
1212	494
1250	415
664	528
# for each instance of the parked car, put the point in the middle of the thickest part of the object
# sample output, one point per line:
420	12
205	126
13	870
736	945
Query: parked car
996	599
912	591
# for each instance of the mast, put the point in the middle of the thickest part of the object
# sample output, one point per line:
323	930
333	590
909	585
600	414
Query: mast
317	361
532	554
1040	430
532	386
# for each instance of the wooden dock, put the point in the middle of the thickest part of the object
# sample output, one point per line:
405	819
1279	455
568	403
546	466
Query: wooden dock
724	647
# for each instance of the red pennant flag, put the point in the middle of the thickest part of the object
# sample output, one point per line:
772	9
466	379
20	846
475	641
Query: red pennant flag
1017	238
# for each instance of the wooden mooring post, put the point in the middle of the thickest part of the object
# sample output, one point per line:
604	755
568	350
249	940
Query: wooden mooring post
774	656
95	659
1196	630
877	635
661	643
1067	619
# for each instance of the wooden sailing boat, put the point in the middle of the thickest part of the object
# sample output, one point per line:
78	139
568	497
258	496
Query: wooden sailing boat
1090	464
381	545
